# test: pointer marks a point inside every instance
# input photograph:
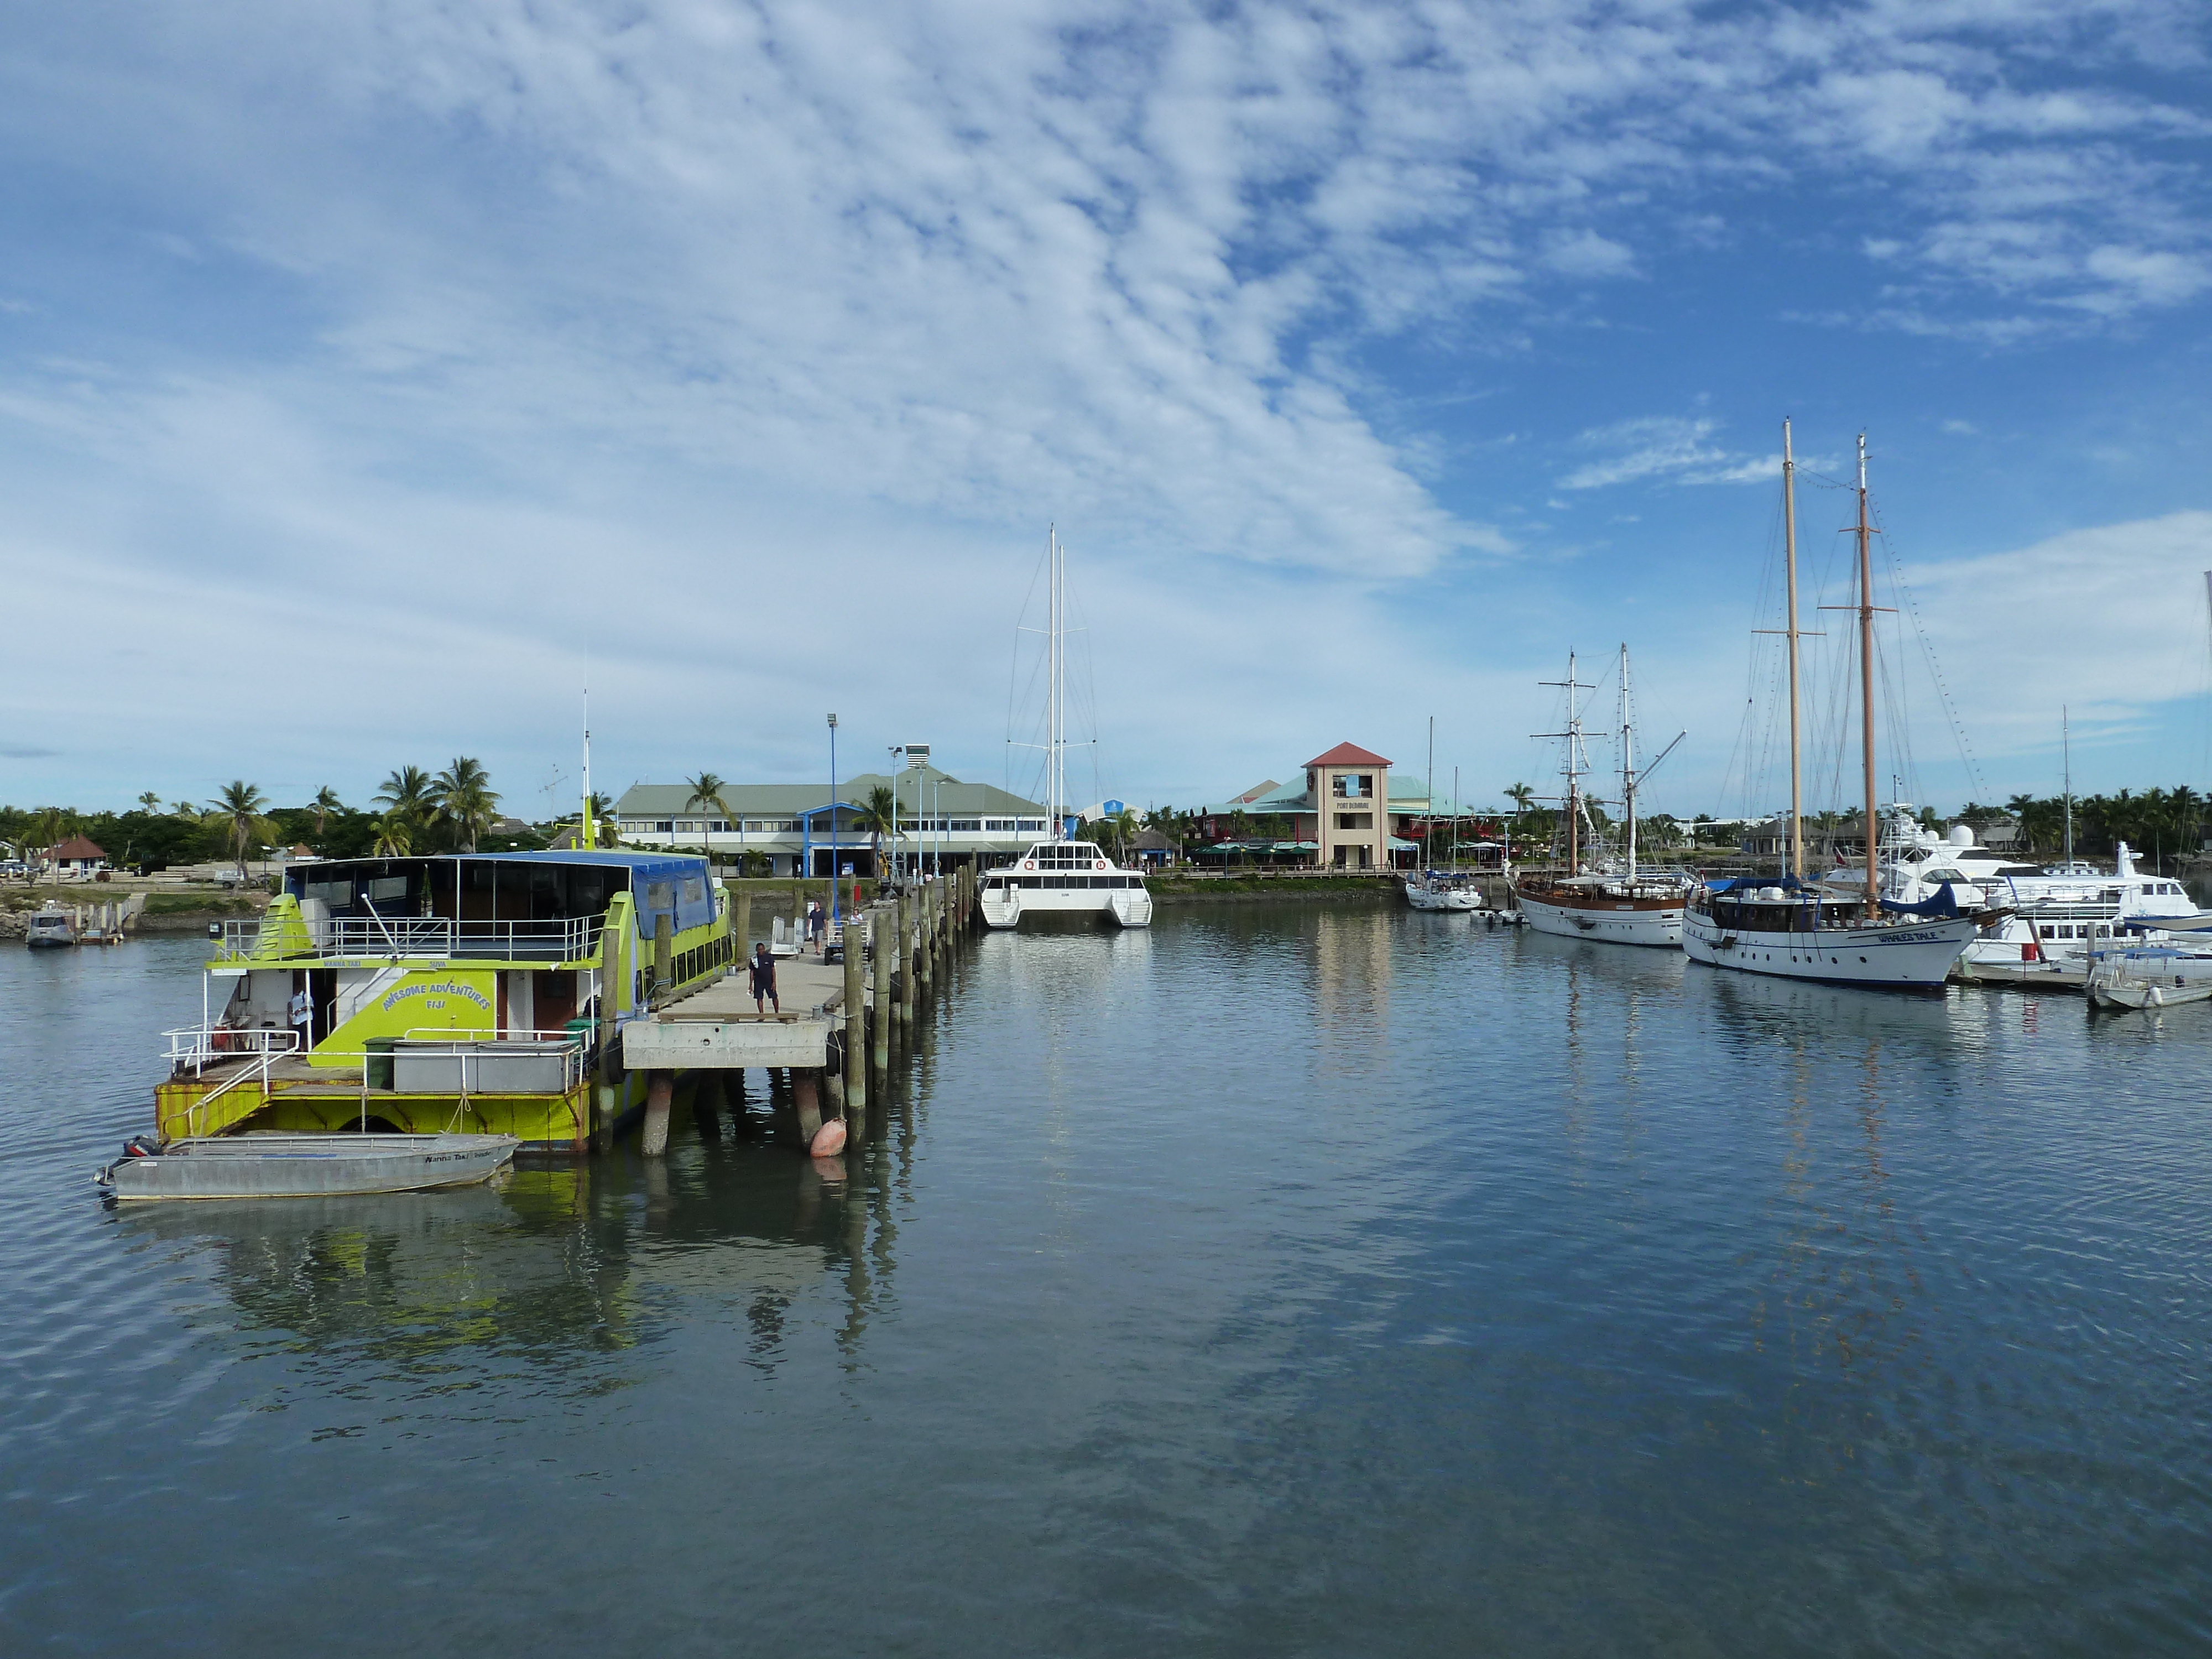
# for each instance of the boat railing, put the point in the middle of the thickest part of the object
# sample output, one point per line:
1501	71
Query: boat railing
568	938
198	1047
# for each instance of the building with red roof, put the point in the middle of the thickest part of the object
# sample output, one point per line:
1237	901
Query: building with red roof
75	857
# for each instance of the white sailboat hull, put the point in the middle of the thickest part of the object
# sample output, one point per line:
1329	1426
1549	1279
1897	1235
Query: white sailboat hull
1916	956
1599	919
1443	898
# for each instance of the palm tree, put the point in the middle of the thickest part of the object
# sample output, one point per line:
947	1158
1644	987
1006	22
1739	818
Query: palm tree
707	791
395	836
1520	794
1120	830
874	820
241	805
465	799
149	802
408	792
326	802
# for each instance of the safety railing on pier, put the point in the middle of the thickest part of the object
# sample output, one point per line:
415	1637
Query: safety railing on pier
391	938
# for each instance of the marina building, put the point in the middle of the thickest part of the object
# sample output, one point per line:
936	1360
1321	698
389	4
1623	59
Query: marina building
1344	815
797	828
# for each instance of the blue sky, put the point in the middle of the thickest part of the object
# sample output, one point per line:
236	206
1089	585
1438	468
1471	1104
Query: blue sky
370	378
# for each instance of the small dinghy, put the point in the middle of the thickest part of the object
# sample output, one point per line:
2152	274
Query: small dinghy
304	1166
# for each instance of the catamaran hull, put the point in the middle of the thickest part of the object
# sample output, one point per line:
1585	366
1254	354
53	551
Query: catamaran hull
1129	907
1918	957
1602	920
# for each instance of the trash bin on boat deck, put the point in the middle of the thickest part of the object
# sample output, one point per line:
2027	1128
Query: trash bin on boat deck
377	1067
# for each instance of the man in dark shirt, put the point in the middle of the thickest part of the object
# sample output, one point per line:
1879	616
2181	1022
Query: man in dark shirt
764	972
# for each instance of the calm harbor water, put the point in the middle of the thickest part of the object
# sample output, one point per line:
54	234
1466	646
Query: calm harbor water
1285	1280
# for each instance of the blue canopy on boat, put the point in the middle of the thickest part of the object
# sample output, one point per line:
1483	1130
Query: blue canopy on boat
1945	903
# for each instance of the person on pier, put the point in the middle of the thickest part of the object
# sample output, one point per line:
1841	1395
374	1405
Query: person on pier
764	971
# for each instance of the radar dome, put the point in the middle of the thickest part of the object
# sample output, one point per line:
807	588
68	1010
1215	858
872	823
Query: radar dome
1960	836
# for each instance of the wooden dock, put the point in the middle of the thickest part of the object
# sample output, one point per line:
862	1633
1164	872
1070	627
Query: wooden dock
2021	976
840	1021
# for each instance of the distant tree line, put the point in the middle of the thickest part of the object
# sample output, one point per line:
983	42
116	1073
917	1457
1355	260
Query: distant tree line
415	811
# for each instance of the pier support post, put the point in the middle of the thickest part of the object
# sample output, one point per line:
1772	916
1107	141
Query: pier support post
879	996
806	1101
607	1099
659	1093
856	1019
902	953
927	926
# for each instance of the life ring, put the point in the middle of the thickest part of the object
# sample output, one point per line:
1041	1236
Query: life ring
1028	864
1098	864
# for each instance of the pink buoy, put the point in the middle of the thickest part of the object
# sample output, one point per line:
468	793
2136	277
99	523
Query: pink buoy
829	1140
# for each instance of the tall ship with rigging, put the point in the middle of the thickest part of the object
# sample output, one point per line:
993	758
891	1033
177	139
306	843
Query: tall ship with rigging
1618	907
1061	876
1789	928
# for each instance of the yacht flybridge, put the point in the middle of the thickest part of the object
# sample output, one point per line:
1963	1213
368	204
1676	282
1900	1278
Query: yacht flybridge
1059	876
1793	929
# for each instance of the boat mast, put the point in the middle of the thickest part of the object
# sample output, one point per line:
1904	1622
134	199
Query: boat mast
1866	677
1627	761
1573	735
2066	762
1052	760
1429	840
1789	560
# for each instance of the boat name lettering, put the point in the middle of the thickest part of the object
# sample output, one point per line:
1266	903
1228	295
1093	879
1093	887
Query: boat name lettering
451	987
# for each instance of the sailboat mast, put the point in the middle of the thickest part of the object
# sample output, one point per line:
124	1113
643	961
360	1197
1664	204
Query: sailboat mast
1627	761
1429	787
1866	677
1052	778
1574	787
2066	762
1789	560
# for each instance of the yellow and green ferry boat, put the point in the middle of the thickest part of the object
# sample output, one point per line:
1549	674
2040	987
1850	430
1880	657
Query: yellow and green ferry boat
461	993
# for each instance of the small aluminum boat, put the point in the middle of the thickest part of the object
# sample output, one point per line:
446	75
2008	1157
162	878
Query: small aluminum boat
304	1166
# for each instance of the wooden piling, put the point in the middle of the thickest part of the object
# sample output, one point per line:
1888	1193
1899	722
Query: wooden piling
660	1091
806	1102
663	954
879	995
926	928
856	1017
904	954
741	909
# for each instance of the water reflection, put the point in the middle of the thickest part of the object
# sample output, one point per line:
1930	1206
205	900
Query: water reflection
563	1267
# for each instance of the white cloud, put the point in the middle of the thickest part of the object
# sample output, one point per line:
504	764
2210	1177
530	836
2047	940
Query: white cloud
1670	448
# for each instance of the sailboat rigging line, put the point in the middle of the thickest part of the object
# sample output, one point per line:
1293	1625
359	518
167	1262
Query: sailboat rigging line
1909	603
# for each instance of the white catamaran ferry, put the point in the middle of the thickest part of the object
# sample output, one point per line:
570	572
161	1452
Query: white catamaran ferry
1065	878
1061	876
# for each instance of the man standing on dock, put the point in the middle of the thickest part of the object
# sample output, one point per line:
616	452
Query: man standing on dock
301	1012
763	970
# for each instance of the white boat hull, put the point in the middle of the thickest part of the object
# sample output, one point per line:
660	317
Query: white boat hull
308	1166
1600	920
2141	993
1443	898
1915	956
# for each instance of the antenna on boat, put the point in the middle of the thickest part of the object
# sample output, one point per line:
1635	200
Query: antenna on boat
588	836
